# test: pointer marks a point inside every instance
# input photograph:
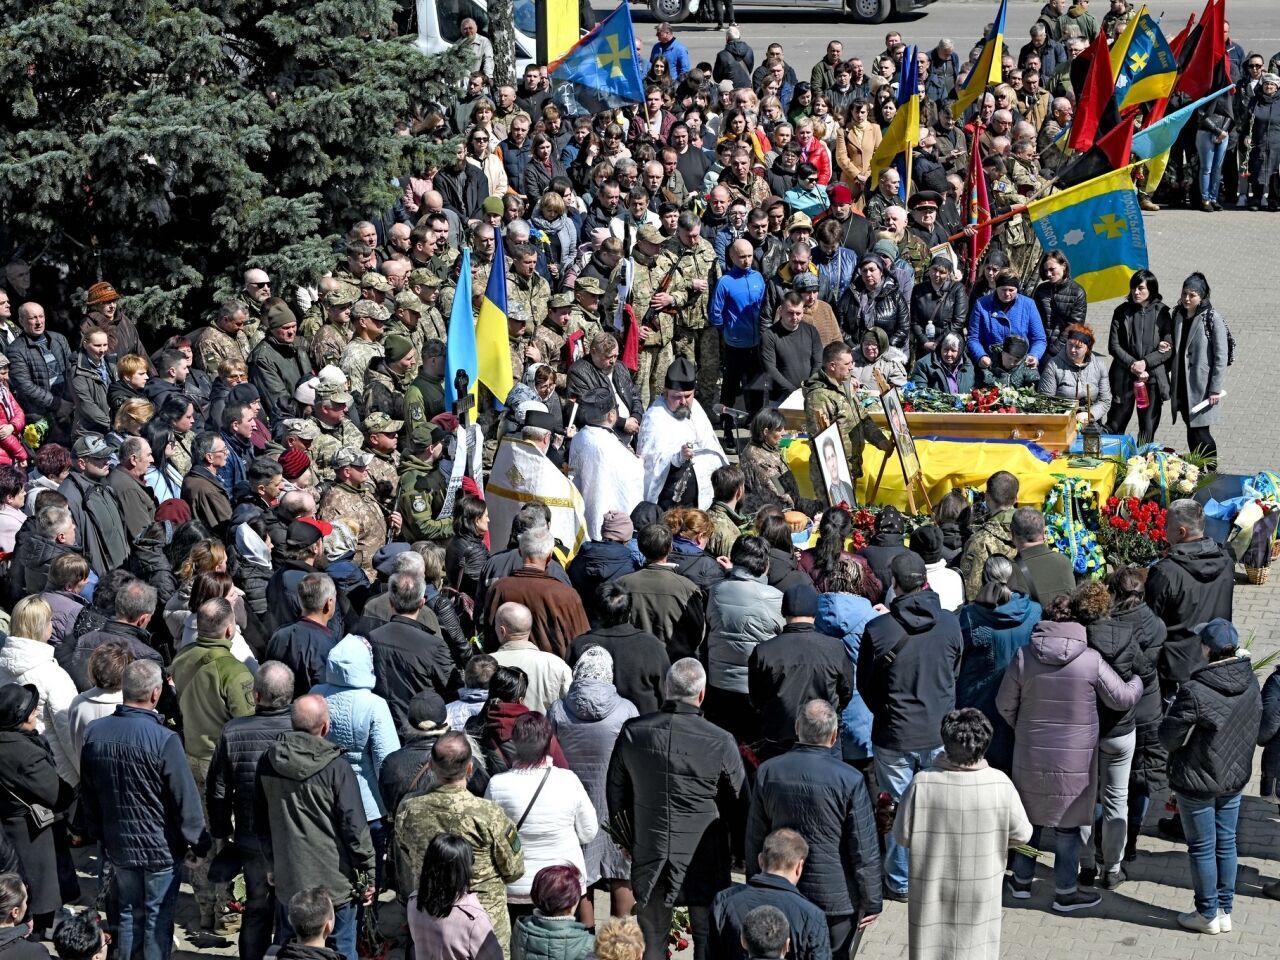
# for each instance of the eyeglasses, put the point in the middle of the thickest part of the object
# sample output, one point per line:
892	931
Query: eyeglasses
259	286
479	139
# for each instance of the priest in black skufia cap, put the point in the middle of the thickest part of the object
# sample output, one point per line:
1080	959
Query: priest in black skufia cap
678	444
603	467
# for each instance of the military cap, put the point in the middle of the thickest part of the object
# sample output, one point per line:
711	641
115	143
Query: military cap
302	429
348	457
379	422
344	296
560	301
651	234
367	309
589	285
925	199
375	281
333	396
408	300
424	276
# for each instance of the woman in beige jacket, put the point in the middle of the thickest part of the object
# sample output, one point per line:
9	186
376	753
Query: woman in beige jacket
855	145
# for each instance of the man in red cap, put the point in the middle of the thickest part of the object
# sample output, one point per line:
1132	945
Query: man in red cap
856	233
102	309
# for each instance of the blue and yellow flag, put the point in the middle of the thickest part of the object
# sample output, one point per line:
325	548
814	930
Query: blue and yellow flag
987	70
460	351
1142	63
600	71
903	133
1098	225
493	358
1154	143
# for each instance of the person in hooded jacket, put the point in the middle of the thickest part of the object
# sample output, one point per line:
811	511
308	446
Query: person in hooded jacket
1210	731
996	625
639	660
586	722
844	614
1148	774
887	542
1050	695
1119	645
29	776
491	727
252	571
1192	584
608	558
907	667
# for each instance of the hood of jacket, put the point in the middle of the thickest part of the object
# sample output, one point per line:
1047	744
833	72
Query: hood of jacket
1228	677
553	938
738	49
299	755
18	655
1202	559
350	663
1109	637
1056	644
599	558
500	718
1007	616
919	611
591	700
252	547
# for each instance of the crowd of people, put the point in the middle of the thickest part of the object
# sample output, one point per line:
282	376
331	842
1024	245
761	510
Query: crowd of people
274	615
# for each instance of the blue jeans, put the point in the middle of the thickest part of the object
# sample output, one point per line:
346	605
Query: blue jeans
343	937
1066	859
146	900
1212	155
1210	826
895	770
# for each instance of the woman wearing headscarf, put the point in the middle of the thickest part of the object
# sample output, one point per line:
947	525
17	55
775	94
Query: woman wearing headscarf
1141	347
873	355
1263	140
1075	373
873	300
30	792
1199	368
587	721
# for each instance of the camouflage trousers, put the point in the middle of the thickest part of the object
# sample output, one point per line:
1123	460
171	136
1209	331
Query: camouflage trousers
651	375
703	348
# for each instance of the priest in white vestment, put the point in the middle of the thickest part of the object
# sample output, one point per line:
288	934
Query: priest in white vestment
521	474
606	471
678	445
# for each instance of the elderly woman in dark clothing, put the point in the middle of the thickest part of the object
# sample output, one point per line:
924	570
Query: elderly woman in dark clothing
31	793
947	368
1141	346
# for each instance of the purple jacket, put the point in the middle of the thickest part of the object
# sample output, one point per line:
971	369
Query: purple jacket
465	934
1049	696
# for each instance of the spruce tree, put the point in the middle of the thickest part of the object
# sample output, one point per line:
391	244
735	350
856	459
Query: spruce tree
166	145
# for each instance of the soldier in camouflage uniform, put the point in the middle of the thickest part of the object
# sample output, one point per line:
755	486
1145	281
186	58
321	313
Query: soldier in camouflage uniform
374	286
406	321
423	486
432	323
655	344
909	246
451	808
360	259
334	429
351	500
424	398
381	439
526	288
388	377
727	524
827	400
693	262
520	345
550	335
366	341
584	318
994	536
256	292
224	339
332	338
1016	235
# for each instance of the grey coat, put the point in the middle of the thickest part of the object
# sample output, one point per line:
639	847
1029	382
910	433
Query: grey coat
1059	377
587	721
743	611
1205	368
1050	695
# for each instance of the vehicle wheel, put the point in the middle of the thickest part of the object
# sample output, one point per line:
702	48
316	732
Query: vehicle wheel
869	11
672	11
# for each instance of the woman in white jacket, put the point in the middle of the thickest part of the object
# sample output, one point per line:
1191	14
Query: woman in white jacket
550	807
27	657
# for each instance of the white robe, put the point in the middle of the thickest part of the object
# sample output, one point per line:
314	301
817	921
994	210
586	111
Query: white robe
609	475
661	438
521	474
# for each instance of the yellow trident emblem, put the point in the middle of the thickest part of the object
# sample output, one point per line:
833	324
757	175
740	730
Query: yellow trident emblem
1111	226
612	61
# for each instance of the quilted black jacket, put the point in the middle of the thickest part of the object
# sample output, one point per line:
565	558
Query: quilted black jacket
234	770
1211	729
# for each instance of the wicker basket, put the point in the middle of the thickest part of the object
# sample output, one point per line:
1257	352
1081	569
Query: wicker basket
1275	549
1257	575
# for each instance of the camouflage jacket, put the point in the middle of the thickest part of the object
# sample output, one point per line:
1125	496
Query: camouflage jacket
530	295
645	280
358	507
991	539
384	389
589	324
384	471
551	340
690	263
345	434
356	357
825	403
212	346
328	343
727	525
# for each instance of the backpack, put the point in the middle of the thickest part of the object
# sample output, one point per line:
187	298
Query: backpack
1231	341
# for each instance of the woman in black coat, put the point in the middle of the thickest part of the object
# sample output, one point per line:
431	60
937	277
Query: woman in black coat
1262	137
542	167
1141	346
466	555
14	944
939	301
29	781
873	300
1060	300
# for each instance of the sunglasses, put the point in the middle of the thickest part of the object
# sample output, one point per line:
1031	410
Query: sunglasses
259	286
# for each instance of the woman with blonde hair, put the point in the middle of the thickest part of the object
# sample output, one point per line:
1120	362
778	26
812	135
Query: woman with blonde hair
553	219
207	556
27	657
480	154
129	420
856	143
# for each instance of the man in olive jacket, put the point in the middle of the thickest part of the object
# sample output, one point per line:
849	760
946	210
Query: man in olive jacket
213	686
311	822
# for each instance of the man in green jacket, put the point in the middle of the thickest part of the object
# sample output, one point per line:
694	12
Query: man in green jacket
994	535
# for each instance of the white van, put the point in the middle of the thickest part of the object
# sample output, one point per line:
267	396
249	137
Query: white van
862	11
438	26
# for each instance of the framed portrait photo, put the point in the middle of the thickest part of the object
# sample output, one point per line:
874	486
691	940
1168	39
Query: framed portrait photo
891	400
828	447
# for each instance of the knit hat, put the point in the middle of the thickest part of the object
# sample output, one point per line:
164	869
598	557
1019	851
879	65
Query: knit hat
492	206
800	600
927	542
101	293
885	247
890	518
805	282
174	511
17	700
305	391
279	315
427	711
294	463
617	526
244	393
396	348
596	663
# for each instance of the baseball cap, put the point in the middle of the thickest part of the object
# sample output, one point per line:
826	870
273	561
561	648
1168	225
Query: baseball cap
349	457
91	446
375	281
379	422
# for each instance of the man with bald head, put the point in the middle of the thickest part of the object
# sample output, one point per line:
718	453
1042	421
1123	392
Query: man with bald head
549	676
254	295
311	822
735	309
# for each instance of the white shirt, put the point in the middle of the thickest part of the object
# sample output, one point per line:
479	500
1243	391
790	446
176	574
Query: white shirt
946	583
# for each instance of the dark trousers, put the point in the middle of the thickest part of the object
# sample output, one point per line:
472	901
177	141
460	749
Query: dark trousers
724	11
844	935
1199	440
1122	408
258	924
655	924
741	365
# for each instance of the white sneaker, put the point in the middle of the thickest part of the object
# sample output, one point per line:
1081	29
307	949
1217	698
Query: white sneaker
1193	920
1224	921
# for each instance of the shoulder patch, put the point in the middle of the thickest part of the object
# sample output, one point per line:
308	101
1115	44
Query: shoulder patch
419	504
513	838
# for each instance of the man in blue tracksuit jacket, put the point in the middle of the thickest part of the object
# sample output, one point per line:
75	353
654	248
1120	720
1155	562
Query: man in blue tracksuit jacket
736	305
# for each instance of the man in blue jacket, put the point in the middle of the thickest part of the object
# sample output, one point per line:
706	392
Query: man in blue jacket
139	800
1001	313
676	53
735	309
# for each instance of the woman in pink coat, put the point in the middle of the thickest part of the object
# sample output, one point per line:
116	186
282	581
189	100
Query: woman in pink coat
445	918
1050	696
12	421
